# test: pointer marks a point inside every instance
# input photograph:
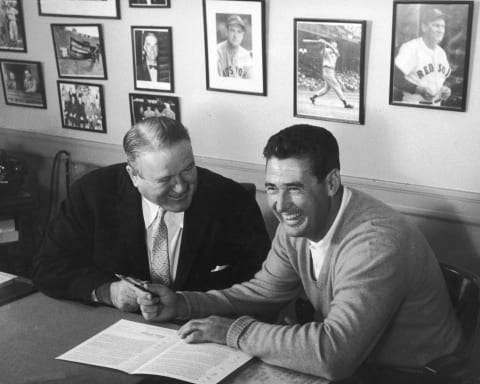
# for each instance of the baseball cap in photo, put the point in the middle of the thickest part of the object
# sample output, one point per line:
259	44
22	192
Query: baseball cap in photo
430	13
235	20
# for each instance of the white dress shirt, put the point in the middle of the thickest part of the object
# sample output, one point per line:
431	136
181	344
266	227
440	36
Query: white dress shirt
174	222
318	250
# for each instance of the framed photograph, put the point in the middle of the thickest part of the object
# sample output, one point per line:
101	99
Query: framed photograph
430	54
79	51
143	106
102	9
153	58
23	83
329	69
149	3
12	26
235	46
82	106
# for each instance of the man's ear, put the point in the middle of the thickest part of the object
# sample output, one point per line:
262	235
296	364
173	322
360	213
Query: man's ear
333	181
132	174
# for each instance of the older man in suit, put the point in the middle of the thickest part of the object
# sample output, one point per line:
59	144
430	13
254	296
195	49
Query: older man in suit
213	231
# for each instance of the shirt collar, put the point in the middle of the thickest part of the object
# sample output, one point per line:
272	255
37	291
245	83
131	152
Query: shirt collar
150	211
328	237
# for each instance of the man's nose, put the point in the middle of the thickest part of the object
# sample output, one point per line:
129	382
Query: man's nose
179	185
283	201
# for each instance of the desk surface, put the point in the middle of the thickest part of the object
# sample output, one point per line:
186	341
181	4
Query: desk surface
36	329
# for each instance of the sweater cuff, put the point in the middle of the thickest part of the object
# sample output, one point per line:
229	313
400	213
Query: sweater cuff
189	308
237	329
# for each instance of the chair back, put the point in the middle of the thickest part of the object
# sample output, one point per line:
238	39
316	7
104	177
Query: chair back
464	290
251	188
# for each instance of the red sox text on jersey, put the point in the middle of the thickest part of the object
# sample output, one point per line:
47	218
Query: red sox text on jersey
424	67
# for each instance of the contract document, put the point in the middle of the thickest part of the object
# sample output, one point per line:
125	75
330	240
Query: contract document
138	348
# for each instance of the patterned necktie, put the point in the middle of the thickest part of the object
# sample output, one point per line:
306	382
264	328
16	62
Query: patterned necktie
159	260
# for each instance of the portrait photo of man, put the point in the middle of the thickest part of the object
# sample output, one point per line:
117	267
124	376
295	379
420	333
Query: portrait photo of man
233	59
429	62
152	53
235	46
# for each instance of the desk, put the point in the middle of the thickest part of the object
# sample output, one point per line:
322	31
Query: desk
36	329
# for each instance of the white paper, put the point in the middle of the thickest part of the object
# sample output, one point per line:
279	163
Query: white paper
6	277
148	349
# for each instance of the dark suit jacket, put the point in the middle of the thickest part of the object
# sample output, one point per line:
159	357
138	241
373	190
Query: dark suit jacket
163	73
143	73
100	231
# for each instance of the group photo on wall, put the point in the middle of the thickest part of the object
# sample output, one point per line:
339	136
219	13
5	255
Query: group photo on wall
79	50
143	106
82	106
23	84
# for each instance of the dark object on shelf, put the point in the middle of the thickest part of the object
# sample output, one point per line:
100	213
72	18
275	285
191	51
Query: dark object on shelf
12	173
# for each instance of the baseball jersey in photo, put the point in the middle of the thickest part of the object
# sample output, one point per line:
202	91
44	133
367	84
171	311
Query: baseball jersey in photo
424	67
238	64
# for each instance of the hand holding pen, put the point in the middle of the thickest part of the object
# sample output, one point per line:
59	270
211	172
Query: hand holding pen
135	283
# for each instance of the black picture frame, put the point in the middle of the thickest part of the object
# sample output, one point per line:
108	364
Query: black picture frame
429	68
82	106
155	42
149	3
144	105
92	9
329	69
28	92
12	32
79	51
239	27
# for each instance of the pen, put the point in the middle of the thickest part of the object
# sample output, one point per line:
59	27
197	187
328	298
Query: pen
133	282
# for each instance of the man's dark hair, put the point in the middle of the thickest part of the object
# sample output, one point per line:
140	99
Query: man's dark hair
304	141
152	134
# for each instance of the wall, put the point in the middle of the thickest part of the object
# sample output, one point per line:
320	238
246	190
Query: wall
424	162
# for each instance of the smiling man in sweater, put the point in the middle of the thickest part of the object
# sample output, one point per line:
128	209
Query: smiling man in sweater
378	292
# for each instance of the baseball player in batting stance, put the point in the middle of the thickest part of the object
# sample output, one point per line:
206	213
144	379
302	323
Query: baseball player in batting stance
232	59
330	55
421	65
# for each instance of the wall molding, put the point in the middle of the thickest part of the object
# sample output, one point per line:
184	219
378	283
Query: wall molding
436	203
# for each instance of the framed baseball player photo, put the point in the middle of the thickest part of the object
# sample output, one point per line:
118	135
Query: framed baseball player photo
79	51
12	26
82	106
235	46
143	106
23	83
149	3
329	69
101	9
430	54
153	58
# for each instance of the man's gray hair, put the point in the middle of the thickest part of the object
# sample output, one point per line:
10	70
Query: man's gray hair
152	134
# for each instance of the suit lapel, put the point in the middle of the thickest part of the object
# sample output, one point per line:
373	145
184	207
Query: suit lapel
132	228
195	225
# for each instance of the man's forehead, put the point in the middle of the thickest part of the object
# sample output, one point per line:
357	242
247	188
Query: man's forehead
287	170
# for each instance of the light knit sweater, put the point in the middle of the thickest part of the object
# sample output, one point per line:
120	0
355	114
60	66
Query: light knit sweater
380	297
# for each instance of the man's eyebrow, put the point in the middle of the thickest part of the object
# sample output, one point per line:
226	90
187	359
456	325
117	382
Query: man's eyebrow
292	184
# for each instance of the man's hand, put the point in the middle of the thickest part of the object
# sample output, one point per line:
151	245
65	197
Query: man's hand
445	92
124	296
211	329
164	305
426	93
